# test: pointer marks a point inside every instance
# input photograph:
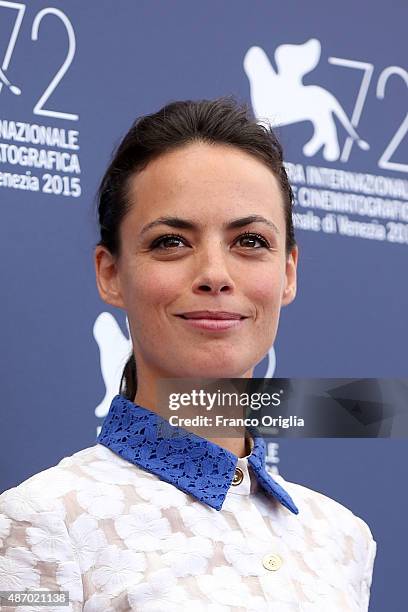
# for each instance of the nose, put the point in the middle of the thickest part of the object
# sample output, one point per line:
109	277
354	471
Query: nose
213	275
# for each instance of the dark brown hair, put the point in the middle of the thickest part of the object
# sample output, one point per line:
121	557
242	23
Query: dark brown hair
222	121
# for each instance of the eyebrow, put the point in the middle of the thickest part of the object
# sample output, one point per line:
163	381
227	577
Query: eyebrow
180	223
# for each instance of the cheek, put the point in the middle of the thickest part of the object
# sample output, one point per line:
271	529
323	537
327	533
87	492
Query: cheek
146	289
266	290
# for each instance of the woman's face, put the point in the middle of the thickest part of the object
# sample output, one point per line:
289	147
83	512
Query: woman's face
208	265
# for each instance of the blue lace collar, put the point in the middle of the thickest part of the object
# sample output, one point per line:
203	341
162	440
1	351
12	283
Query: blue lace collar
191	463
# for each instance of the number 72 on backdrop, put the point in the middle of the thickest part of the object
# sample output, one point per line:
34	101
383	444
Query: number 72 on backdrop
367	69
19	10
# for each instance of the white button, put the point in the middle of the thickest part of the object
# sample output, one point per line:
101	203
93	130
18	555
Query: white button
272	562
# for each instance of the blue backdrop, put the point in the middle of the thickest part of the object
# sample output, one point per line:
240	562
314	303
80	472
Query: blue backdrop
334	79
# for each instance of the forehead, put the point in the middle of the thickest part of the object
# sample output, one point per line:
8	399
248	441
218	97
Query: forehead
207	180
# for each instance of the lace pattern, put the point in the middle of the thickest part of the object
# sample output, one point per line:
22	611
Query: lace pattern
193	464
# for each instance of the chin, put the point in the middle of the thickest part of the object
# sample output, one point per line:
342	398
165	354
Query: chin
218	370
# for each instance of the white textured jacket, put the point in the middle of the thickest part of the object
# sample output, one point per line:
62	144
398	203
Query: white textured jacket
141	521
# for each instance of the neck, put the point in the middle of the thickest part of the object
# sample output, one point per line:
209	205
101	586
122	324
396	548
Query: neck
146	397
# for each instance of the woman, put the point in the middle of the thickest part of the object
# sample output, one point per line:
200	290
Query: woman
197	246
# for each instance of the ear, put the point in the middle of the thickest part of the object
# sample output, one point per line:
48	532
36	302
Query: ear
290	287
107	277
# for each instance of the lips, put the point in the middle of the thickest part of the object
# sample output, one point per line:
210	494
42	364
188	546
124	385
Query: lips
207	314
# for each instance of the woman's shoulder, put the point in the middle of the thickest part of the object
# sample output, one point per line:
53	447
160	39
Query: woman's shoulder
90	468
321	512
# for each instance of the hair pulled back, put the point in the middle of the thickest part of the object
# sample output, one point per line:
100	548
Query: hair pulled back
222	120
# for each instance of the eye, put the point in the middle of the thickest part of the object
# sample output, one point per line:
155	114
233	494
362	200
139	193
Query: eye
169	241
168	238
252	237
